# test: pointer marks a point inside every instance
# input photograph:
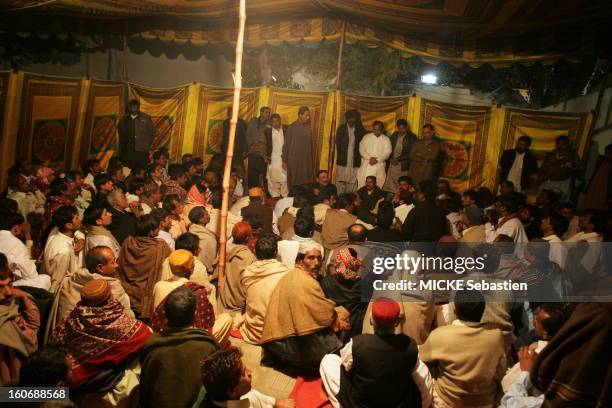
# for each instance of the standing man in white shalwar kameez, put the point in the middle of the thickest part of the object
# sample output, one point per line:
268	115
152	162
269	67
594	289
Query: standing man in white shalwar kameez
277	176
375	149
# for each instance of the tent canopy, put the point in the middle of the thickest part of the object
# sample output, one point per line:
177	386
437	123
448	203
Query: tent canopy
472	31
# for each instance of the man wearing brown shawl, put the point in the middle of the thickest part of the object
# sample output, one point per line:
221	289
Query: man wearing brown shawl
19	322
232	294
573	370
297	150
140	264
300	321
100	336
171	359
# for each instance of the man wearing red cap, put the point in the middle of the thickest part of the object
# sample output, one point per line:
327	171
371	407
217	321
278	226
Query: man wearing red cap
368	372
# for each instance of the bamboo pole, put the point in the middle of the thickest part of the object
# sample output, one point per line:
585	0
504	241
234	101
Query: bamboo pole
230	145
332	139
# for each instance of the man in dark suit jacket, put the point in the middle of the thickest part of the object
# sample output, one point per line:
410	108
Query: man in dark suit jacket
427	221
240	145
346	173
136	134
519	177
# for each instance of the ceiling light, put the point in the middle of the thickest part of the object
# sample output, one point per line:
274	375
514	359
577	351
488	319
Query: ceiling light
429	79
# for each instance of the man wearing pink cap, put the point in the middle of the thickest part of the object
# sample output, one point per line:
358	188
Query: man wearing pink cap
367	372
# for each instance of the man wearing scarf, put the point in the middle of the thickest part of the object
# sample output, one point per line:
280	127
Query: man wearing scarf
19	322
232	294
572	369
100	264
343	286
182	264
140	264
300	323
103	340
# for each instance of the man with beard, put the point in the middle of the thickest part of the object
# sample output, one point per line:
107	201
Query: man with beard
300	323
399	161
297	150
518	164
425	156
348	159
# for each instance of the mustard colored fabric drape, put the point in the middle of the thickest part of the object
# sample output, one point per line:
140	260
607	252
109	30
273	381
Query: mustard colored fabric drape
212	110
10	99
168	110
106	103
49	119
463	131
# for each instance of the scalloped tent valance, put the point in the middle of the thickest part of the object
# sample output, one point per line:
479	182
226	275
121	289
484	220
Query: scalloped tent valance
461	31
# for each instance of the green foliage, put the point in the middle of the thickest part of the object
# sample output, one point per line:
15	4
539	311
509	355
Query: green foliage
285	61
370	71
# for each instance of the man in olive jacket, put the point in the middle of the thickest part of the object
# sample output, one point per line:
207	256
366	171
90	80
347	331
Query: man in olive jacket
170	360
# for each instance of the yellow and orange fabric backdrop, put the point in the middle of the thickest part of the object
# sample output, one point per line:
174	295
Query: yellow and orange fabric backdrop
168	110
212	110
68	120
105	106
49	121
463	131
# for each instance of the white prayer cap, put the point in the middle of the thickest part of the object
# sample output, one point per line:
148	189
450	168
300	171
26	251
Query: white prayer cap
307	246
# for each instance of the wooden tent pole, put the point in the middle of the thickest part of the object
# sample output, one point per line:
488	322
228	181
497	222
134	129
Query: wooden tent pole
332	139
230	145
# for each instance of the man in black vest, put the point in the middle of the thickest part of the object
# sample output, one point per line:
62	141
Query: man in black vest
373	369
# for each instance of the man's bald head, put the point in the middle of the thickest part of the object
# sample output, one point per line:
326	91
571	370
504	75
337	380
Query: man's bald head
101	259
357	233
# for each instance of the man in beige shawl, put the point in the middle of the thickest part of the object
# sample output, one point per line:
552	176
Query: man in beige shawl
96	219
259	280
19	322
232	294
140	264
199	218
300	323
100	264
